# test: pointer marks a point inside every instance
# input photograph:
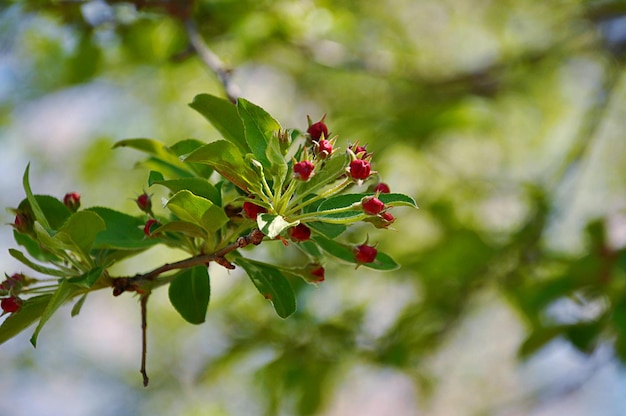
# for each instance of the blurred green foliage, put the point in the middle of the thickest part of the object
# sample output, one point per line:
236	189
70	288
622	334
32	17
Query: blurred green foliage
501	118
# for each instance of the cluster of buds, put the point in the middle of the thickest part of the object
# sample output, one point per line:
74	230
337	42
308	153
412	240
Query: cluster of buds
144	203
11	288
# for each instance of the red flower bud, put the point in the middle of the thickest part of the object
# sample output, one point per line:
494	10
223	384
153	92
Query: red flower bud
23	223
11	304
316	130
382	188
323	148
359	151
13	284
72	201
365	254
303	170
253	210
317	274
144	203
372	205
299	233
150	225
360	169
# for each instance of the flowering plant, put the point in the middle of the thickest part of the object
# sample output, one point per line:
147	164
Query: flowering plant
260	183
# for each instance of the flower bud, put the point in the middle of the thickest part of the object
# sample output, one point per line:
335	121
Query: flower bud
150	225
72	201
317	275
381	188
317	130
323	148
303	170
360	169
299	233
365	254
13	284
372	205
253	210
23	223
144	203
11	304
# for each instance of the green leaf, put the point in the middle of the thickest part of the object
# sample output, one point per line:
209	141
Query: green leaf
328	230
345	253
273	225
228	161
54	210
223	115
78	305
29	312
198	186
164	159
184	147
189	293
539	338
34	205
88	279
184	227
260	130
37	267
83	227
197	210
272	284
123	231
63	292
347	200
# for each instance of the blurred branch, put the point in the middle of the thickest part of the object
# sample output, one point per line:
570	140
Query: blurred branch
211	60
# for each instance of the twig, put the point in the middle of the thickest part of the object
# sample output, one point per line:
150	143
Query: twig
144	337
135	283
212	61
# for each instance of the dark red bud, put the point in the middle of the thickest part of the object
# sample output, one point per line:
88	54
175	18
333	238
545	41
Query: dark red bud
359	151
253	210
365	253
382	188
360	169
317	130
150	225
299	233
318	274
11	304
323	148
144	203
303	170
72	201
372	205
22	223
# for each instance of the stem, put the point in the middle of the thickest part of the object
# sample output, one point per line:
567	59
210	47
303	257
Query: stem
211	60
138	282
144	338
325	194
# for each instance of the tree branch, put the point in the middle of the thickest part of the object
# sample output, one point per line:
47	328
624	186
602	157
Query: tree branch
136	283
211	60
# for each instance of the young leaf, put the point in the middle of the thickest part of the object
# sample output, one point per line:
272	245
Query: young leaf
223	115
189	293
88	279
29	312
197	210
123	231
345	253
273	225
163	158
37	267
82	228
78	305
272	284
63	292
54	210
347	200
260	130
34	205
228	161
198	186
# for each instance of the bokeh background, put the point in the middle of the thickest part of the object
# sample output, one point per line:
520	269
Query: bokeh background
504	119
